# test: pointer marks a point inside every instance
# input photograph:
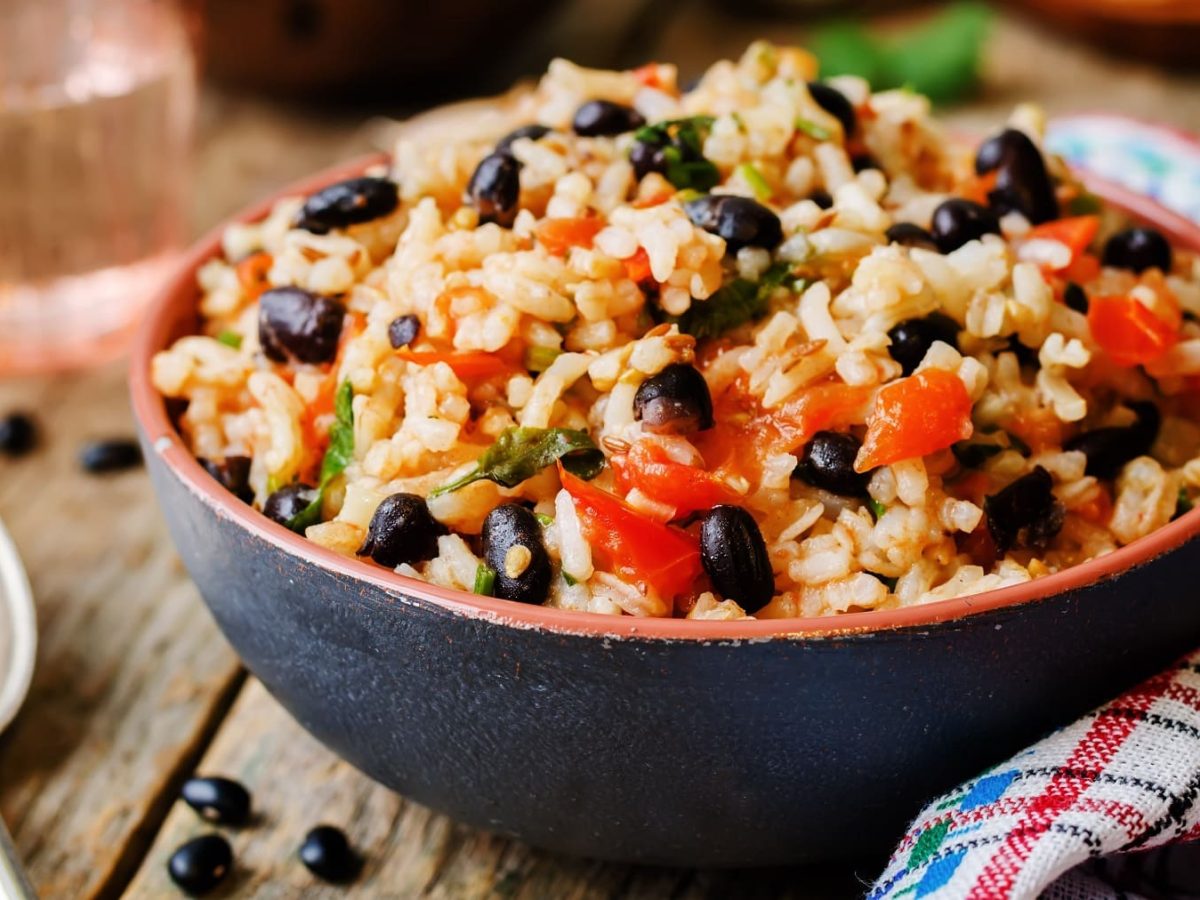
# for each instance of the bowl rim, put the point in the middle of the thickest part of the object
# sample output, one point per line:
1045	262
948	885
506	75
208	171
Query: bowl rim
162	438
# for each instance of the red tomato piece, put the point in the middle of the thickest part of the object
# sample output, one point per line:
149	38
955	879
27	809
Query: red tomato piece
637	267
1076	232
560	235
252	273
915	416
657	556
469	364
821	407
649	468
1129	332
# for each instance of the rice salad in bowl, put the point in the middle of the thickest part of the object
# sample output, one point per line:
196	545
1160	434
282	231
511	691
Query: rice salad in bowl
769	347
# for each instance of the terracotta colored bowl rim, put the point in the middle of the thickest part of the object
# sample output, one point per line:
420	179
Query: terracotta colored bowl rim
150	411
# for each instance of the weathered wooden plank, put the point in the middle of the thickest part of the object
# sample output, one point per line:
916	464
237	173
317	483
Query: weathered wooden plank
131	673
409	851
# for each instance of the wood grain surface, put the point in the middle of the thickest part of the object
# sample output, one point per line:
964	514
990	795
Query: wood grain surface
135	688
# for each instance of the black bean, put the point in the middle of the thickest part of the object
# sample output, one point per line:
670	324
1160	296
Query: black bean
348	203
908	234
835	103
646	158
288	502
296	325
110	456
495	188
735	557
742	222
201	864
328	855
506	527
1025	513
1138	249
1027	357
18	434
532	132
958	221
675	401
233	474
403	330
860	162
827	462
912	338
1075	298
1022	182
821	198
402	531
598	118
1109	449
220	800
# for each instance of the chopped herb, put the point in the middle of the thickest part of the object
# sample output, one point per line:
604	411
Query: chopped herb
338	455
939	58
1183	504
520	453
877	508
737	118
682	143
485	581
753	177
736	303
1084	204
544	520
230	339
813	130
538	359
569	579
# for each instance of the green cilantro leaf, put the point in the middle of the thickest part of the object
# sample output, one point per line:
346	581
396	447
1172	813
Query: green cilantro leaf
520	453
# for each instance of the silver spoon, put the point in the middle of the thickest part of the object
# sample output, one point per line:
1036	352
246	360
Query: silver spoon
18	644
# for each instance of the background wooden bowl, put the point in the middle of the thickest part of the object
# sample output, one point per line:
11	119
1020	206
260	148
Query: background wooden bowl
1166	32
327	47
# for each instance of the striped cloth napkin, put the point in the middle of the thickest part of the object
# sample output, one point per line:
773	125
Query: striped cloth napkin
1071	818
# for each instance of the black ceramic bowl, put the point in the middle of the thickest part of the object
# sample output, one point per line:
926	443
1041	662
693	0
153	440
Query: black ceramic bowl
659	741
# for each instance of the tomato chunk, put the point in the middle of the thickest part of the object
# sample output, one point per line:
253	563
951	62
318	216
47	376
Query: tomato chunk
1076	232
746	434
925	412
649	468
560	235
659	557
1129	332
252	273
637	267
469	364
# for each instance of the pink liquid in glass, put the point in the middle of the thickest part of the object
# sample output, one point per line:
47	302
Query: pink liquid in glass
97	99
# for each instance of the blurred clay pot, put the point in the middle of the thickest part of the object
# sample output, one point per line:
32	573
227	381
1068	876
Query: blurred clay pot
327	47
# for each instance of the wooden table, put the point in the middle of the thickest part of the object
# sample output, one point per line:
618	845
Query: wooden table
135	688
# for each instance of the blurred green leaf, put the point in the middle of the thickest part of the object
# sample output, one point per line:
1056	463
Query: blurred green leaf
939	58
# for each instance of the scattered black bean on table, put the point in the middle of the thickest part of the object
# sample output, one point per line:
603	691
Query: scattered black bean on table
18	434
201	864
114	455
328	855
220	800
